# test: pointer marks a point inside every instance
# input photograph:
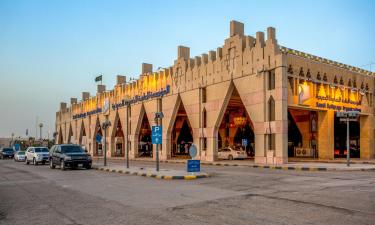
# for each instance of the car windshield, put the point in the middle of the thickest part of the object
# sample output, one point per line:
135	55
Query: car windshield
7	150
71	149
41	150
21	153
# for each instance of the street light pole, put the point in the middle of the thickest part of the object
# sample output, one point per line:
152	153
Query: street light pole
127	135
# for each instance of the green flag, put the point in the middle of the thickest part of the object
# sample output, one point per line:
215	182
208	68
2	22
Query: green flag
98	78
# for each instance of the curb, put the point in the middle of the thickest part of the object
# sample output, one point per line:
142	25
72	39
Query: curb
295	168
148	174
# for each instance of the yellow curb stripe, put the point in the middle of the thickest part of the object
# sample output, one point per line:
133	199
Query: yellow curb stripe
190	177
167	177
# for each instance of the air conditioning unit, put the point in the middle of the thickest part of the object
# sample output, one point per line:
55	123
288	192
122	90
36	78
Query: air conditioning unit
303	152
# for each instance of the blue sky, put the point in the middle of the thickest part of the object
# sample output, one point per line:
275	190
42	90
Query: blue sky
52	50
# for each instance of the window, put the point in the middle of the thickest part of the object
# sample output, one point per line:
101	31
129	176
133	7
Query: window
204	96
271	109
204	118
271	141
271	80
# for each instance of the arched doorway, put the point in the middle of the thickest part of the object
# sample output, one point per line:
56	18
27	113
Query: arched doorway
61	138
119	141
236	130
144	138
70	135
82	135
182	137
98	147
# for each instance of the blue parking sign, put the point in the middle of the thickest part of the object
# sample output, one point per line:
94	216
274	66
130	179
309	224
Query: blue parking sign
193	165
157	134
98	138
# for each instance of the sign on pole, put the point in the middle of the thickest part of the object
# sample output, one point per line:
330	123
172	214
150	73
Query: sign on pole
193	165
244	142
157	135
98	138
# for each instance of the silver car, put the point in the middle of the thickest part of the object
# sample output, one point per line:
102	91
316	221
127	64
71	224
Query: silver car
37	155
19	156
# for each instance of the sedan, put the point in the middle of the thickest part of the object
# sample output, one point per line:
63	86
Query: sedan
19	156
6	153
231	153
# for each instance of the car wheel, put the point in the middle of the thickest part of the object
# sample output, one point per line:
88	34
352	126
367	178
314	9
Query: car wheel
26	161
62	165
230	157
34	162
51	165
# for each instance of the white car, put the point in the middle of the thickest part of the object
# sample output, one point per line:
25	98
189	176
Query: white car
19	156
231	153
37	155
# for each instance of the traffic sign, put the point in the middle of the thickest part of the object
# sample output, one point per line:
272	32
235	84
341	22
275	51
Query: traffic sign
157	134
193	151
17	146
193	165
98	138
244	142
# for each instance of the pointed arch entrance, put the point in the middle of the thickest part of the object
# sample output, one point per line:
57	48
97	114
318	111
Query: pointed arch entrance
61	138
181	135
98	147
82	140
144	138
236	130
118	138
70	135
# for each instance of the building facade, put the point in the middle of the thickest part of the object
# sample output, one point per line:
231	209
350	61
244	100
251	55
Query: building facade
272	101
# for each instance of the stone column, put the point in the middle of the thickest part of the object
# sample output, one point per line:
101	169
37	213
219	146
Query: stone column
366	136
326	135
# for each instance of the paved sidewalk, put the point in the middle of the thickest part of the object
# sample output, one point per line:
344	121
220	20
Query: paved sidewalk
165	174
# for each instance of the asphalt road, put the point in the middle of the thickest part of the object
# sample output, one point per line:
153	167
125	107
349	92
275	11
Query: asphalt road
234	195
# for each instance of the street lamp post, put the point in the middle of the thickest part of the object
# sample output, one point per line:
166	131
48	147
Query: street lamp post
127	134
40	127
105	125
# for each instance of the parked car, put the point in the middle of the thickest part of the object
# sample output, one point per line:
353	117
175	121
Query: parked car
6	153
19	156
231	153
69	155
37	155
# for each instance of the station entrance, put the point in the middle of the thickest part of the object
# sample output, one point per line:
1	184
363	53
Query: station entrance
119	141
182	137
144	139
340	150
98	147
236	130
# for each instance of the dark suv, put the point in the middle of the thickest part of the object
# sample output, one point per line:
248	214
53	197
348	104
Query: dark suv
69	155
6	153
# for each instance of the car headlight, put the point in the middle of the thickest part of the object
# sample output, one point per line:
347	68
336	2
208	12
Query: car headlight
67	158
39	156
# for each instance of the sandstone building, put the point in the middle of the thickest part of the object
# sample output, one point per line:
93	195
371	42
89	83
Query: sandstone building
273	101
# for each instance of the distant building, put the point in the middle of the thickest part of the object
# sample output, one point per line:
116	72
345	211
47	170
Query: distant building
273	101
5	142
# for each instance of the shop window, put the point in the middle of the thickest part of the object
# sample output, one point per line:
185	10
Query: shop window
271	80
271	109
